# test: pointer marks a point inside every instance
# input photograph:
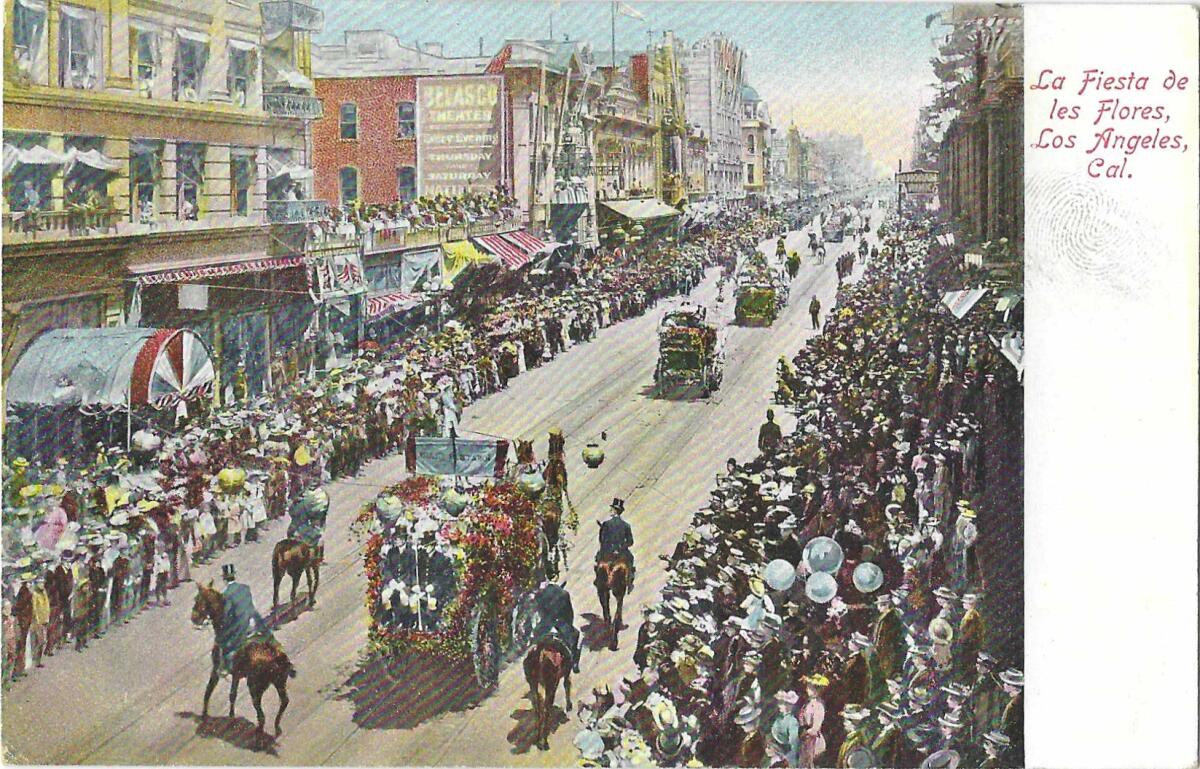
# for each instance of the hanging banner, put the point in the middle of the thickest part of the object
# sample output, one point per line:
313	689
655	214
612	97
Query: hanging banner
339	274
458	134
465	457
417	267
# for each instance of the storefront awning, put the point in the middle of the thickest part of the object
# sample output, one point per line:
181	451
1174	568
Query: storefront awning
200	272
385	304
514	249
457	256
959	303
292	79
112	367
640	210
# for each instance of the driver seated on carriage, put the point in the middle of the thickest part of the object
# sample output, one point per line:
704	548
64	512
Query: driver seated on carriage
557	616
241	622
616	537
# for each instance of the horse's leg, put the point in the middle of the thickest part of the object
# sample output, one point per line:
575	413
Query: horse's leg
536	695
295	575
233	687
602	594
281	687
308	580
276	577
548	707
208	690
256	693
567	688
618	619
316	571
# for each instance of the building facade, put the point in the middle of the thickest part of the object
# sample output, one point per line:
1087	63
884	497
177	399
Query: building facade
144	144
714	74
756	144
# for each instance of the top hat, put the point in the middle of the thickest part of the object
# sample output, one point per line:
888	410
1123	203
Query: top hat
228	573
618	505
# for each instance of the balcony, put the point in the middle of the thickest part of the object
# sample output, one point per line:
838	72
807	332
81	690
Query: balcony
291	105
394	238
296	211
291	14
59	225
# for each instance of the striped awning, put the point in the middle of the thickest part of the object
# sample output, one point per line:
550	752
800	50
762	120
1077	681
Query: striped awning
382	305
514	249
200	272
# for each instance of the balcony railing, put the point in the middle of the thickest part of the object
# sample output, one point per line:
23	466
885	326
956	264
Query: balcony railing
291	14
291	105
393	238
56	225
296	211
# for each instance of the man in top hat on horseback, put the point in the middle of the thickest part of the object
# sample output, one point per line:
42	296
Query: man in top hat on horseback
557	615
616	537
241	621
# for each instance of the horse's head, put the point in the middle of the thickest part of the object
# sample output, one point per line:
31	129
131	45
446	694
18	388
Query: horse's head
209	605
524	452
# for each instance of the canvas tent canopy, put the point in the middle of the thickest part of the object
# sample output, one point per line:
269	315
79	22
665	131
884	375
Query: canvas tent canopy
113	367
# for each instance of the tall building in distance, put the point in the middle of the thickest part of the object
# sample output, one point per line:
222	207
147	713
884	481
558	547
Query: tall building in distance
715	76
756	143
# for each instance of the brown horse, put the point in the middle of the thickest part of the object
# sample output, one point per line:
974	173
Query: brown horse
261	663
612	578
293	557
547	663
550	507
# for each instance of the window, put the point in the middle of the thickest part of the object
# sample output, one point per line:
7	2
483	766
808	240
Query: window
28	23
348	184
86	180
406	120
189	179
27	186
237	78
78	48
145	171
406	183
749	173
348	120
243	173
750	143
191	57
145	61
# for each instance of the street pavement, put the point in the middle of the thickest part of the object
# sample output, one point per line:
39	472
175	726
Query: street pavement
134	696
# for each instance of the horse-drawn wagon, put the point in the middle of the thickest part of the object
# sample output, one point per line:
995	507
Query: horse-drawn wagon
690	351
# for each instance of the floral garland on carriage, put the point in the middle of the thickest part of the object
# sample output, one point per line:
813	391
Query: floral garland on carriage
490	537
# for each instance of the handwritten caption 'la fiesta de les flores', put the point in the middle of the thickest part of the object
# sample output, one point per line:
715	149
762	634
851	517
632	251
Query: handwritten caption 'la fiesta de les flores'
1115	126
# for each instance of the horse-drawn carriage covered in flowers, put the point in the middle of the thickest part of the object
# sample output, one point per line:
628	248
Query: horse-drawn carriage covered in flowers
452	573
690	351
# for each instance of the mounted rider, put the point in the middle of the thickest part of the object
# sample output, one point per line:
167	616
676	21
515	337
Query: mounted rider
309	513
241	622
616	537
557	615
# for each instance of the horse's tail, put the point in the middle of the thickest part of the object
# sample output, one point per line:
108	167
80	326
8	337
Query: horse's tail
291	673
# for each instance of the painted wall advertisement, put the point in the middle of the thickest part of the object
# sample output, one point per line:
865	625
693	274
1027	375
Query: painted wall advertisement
458	134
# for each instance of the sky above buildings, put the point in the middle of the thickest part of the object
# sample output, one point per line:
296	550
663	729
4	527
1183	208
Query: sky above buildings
828	67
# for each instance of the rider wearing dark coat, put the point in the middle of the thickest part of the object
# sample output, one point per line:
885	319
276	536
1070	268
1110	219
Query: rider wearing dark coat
558	615
241	620
616	537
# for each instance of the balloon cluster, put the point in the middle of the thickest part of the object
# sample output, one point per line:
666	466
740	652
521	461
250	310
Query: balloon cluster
822	556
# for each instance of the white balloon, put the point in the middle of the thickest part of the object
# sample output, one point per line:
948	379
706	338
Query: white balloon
820	587
779	574
868	577
823	554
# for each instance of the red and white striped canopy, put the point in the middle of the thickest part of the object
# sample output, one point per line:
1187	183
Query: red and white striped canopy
172	365
514	248
382	305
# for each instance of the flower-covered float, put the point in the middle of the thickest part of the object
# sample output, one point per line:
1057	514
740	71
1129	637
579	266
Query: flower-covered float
451	572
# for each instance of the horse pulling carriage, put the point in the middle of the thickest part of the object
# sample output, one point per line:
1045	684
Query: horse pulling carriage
453	573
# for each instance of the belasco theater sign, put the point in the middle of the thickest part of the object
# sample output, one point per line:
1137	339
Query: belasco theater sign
458	134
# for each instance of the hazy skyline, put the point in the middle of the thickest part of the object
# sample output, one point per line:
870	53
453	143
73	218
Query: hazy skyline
850	68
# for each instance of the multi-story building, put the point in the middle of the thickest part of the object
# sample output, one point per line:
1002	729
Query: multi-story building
550	88
144	145
696	164
799	161
714	74
668	94
781	185
625	137
756	143
981	123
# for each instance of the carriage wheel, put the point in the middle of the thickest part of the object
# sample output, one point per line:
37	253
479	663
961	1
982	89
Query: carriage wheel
524	619
485	648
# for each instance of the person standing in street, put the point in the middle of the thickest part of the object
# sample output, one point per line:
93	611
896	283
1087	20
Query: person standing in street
814	310
769	435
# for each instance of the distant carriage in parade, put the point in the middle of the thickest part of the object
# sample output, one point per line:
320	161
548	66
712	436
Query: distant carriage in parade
691	352
453	574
